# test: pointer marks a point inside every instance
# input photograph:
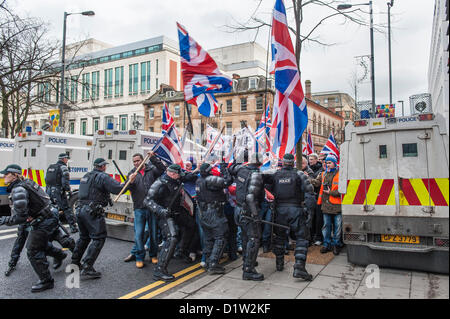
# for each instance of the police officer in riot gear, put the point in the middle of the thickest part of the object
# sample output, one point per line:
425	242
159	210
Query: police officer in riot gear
31	204
58	183
249	196
94	194
211	199
291	188
164	200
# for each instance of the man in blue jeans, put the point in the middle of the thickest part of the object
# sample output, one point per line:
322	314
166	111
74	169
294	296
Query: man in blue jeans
142	216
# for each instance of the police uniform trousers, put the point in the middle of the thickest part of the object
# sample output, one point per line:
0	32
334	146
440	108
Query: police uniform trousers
39	246
294	217
92	228
185	230
60	198
251	239
215	229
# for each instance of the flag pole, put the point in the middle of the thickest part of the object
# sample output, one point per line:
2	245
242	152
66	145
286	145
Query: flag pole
267	67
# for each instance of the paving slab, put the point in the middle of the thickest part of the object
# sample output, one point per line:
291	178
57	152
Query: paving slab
398	279
199	283
270	291
229	287
382	293
205	295
176	295
285	277
429	286
314	293
348	271
338	286
341	259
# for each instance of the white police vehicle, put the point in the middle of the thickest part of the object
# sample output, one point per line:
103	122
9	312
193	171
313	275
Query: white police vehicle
394	177
118	147
6	158
35	151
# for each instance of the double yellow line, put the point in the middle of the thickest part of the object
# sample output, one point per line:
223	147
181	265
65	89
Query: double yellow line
166	286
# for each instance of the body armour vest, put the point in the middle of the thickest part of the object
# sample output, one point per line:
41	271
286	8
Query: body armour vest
89	192
206	195
242	181
37	197
286	189
53	176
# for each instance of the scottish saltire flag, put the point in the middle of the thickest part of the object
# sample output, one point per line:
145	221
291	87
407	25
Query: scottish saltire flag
201	76
167	119
331	147
310	144
169	148
263	131
289	97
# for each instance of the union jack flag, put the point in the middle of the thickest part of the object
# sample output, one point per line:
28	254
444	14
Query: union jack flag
304	147
263	130
289	98
169	148
167	119
211	134
310	144
331	147
201	76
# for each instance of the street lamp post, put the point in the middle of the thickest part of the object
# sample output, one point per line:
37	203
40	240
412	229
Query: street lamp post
372	59
63	66
390	5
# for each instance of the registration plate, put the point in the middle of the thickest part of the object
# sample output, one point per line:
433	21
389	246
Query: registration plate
400	239
120	218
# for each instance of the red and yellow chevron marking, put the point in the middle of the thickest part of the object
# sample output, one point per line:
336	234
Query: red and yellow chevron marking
38	176
423	191
379	192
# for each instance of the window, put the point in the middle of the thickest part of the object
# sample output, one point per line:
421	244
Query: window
95	125
72	127
409	150
118	81
73	89
177	111
109	122
145	77
243	104
347	115
127	54
243	124
109	154
383	151
157	66
24	152
151	113
336	99
229	106
83	127
108	83
139	51
115	57
259	103
33	152
229	129
156	83
133	79
123	122
151	129
95	85
252	83
85	86
123	155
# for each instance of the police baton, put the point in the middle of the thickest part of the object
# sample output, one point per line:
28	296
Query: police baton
129	180
266	222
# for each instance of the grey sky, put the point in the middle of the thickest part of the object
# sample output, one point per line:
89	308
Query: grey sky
329	68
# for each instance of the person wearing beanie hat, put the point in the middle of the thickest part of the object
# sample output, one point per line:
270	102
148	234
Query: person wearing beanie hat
211	199
57	181
94	194
295	201
330	201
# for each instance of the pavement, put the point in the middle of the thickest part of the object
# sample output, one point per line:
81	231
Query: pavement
337	280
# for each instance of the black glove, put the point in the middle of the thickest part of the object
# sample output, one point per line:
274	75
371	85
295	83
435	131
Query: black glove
164	213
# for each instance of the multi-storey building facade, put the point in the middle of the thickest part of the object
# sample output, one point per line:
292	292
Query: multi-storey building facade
438	68
107	87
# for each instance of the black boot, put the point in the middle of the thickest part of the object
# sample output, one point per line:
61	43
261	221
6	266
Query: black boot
11	268
300	271
162	274
280	263
89	272
57	262
42	285
252	274
216	269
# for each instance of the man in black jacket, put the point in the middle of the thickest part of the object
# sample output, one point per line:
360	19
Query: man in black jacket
144	180
317	220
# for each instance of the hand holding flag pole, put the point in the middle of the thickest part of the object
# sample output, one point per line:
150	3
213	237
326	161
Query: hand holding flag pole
130	180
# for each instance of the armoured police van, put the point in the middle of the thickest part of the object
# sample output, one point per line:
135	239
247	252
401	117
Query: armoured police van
119	147
35	151
394	177
6	158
